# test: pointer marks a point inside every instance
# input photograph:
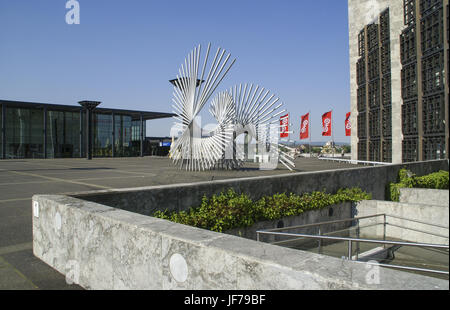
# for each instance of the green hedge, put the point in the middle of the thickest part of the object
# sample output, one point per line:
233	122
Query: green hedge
230	210
407	179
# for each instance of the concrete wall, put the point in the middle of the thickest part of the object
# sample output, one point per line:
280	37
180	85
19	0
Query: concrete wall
147	200
435	197
100	247
432	214
331	213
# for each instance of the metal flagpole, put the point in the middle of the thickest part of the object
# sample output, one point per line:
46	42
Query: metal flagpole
309	132
332	131
289	126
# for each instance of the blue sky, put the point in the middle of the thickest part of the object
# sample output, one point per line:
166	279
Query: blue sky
124	52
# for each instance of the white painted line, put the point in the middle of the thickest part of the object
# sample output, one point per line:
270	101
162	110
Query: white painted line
15	199
16	248
59	180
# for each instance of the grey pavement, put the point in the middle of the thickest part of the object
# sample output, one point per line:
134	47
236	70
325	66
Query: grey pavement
21	179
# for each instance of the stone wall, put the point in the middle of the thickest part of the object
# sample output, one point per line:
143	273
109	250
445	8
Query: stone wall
100	247
332	213
179	197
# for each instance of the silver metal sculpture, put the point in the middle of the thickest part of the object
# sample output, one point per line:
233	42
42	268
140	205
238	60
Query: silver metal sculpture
242	109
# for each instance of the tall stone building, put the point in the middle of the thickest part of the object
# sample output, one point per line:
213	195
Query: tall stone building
399	64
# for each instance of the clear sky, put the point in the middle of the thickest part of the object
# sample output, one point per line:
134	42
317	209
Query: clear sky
124	52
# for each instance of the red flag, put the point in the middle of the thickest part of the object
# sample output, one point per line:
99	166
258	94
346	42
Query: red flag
348	125
304	127
326	124
284	126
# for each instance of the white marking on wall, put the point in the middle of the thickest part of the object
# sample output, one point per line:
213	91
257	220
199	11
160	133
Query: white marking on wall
57	221
178	268
36	209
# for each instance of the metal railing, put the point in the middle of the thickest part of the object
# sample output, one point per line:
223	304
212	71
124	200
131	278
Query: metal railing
354	161
350	240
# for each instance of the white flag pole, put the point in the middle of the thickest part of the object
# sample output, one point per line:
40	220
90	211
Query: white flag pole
332	131
289	125
309	133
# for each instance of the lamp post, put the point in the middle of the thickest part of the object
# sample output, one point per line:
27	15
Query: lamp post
89	107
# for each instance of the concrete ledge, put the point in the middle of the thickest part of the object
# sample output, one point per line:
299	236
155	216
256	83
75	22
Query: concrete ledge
101	247
436	197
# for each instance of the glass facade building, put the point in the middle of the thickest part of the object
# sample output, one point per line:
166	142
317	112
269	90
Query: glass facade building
37	130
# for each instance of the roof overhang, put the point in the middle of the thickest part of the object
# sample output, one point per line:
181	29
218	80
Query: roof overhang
135	115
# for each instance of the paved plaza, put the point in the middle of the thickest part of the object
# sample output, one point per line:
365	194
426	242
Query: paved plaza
21	179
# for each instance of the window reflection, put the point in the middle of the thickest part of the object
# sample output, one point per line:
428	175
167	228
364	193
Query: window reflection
1	132
123	134
102	135
24	133
63	134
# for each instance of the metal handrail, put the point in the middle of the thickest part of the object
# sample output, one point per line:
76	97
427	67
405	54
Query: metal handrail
404	243
356	219
403	267
324	223
350	240
351	161
350	249
328	233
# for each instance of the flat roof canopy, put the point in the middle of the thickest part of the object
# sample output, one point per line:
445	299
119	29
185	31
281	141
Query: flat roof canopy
135	115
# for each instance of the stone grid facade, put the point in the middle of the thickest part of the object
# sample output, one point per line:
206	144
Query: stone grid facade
419	134
362	13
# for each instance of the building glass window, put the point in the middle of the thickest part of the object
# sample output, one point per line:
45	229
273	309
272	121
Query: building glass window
387	151
1	131
410	149
63	134
127	132
136	131
102	135
82	133
434	147
136	137
24	133
374	91
73	132
118	136
49	131
123	146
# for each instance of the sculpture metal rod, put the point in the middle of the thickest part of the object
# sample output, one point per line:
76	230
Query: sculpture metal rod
234	110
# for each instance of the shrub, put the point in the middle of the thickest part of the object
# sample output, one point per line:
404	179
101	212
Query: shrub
407	179
437	180
229	210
